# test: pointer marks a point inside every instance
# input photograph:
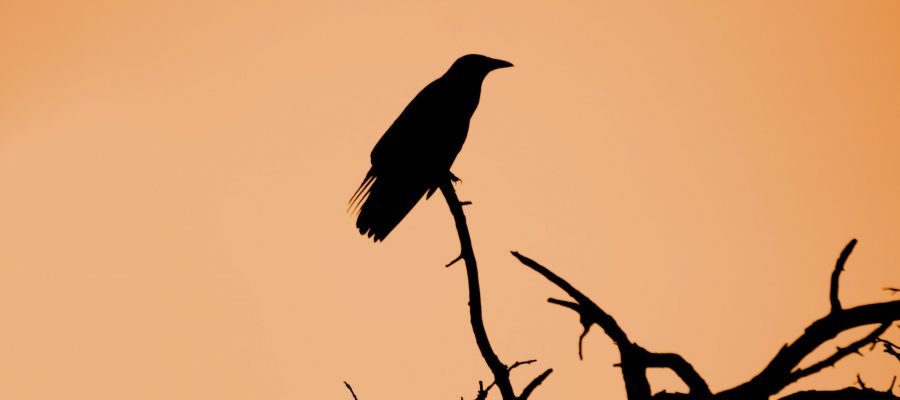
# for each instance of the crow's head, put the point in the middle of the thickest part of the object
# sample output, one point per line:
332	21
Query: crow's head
476	66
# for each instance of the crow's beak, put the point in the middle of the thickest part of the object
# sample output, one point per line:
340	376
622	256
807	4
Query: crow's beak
496	64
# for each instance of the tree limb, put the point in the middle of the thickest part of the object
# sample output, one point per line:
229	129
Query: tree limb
840	353
843	394
781	370
634	359
779	373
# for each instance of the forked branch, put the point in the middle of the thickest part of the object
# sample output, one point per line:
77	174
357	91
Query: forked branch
780	372
635	360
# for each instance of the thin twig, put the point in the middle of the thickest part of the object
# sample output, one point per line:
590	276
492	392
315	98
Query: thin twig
455	260
859	381
890	348
840	353
836	275
511	367
534	384
351	390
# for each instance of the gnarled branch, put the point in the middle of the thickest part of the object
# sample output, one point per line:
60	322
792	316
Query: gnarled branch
635	360
782	369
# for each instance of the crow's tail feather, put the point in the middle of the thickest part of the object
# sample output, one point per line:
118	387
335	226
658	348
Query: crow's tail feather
386	202
361	192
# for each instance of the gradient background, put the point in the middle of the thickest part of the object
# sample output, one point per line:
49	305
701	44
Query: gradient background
175	178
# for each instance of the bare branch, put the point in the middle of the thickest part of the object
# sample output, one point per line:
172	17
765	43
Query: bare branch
859	381
840	353
634	359
455	260
890	348
586	306
351	390
836	275
843	394
520	363
685	371
779	373
586	324
483	391
535	383
500	371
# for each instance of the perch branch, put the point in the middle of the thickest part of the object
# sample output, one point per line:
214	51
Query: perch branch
499	370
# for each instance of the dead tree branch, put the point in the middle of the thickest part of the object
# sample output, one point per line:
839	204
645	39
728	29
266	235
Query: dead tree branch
482	391
890	348
350	388
843	394
635	360
781	371
840	353
836	275
467	254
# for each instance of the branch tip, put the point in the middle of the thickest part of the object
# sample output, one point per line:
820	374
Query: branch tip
351	390
455	260
535	383
836	275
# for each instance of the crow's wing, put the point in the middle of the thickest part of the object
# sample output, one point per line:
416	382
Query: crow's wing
411	158
405	140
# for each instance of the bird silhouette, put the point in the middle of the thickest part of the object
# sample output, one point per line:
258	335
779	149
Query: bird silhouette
414	155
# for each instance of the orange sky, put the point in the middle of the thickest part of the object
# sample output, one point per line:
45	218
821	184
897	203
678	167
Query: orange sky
175	178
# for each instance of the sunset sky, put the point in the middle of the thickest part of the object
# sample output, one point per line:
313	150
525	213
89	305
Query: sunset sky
174	179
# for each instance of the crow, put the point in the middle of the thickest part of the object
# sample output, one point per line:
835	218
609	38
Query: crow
414	155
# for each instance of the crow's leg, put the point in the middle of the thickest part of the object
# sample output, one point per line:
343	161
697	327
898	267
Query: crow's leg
455	179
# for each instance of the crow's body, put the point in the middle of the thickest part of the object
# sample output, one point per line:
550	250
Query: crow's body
415	154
